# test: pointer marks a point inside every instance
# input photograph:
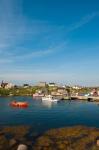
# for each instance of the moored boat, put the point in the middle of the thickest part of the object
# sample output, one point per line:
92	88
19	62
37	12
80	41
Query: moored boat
38	95
19	104
49	98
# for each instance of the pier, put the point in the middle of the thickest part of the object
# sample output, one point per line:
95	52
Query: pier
87	98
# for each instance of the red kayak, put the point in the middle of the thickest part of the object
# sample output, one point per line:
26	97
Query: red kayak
19	104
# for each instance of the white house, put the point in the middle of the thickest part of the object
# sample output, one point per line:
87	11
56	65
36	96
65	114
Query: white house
9	86
42	84
6	85
52	85
25	85
76	87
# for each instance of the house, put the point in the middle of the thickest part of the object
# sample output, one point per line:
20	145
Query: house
25	85
76	87
95	92
42	84
6	85
9	86
39	91
52	84
56	93
62	90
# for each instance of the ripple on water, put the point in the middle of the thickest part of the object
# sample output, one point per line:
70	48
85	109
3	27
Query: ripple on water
48	115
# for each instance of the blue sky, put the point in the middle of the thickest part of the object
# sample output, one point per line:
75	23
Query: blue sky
49	40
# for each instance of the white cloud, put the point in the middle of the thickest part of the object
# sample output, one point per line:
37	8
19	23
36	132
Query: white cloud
9	57
84	20
35	54
15	27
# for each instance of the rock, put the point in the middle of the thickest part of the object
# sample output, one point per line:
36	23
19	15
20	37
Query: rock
97	142
22	147
12	142
3	143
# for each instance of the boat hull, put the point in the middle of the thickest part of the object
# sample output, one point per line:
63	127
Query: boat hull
38	95
19	104
51	100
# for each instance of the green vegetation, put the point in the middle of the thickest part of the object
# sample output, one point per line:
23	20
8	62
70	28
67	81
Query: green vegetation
4	92
19	91
25	91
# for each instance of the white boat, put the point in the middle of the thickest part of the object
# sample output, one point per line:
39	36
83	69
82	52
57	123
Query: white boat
38	95
49	98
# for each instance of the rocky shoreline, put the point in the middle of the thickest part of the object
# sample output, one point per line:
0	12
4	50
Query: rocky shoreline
69	138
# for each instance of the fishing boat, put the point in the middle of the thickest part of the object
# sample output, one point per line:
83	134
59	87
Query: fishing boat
38	95
19	104
49	98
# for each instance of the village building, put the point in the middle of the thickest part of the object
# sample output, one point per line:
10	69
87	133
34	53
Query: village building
62	91
76	87
42	84
25	85
52	85
6	85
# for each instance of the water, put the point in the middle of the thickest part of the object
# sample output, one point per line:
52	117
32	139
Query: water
43	116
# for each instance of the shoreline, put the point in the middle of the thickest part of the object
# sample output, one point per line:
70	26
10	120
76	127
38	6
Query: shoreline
88	99
74	137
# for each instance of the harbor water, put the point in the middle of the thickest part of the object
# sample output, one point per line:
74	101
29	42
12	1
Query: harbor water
43	116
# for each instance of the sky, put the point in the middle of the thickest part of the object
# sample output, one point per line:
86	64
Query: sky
49	40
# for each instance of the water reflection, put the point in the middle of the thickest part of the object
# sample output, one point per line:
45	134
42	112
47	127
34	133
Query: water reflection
48	104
